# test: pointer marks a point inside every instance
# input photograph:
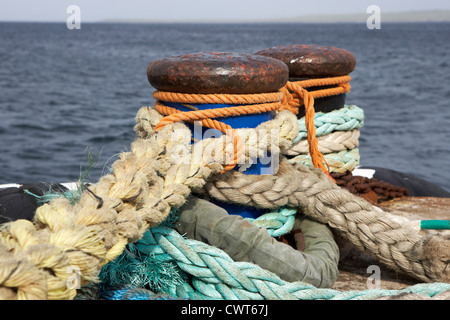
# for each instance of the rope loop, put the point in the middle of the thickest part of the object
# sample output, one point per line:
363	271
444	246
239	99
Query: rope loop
247	104
233	99
295	94
290	97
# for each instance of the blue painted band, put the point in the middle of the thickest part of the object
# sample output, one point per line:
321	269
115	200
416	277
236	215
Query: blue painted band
236	122
245	121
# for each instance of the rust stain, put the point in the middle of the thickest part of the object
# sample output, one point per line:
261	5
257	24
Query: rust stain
312	61
218	72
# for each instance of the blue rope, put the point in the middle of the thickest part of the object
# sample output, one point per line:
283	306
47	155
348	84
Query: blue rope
127	292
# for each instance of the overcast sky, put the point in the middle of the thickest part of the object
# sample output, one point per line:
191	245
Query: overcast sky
99	10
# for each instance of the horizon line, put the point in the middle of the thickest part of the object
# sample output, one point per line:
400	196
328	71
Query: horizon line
392	17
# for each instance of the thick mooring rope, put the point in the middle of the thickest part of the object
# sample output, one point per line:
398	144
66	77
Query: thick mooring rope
372	231
39	259
216	276
356	121
149	180
333	142
347	118
139	193
342	161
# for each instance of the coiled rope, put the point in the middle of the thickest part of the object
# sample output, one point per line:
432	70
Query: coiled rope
342	161
289	98
337	137
295	94
248	104
216	276
277	222
349	117
333	142
146	182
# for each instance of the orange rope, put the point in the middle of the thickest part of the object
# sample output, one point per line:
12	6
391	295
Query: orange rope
291	102
299	95
218	98
288	98
175	115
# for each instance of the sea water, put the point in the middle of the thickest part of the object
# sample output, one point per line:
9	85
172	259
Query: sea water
68	95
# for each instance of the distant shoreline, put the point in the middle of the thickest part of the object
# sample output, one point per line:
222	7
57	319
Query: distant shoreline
219	23
385	17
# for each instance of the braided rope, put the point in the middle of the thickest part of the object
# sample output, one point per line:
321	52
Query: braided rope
232	99
346	160
372	231
216	276
330	143
277	223
273	136
147	182
344	119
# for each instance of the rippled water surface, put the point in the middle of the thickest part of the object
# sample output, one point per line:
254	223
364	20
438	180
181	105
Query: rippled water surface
65	94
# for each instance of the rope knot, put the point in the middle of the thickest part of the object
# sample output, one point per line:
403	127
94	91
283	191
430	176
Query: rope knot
295	95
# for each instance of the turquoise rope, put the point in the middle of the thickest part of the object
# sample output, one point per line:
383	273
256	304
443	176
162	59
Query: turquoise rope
435	224
140	270
345	119
338	162
216	276
277	223
72	195
128	292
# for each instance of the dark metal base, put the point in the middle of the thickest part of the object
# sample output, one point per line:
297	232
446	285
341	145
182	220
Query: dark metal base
325	104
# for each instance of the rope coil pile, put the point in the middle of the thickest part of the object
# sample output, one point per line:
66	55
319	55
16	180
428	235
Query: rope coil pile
146	183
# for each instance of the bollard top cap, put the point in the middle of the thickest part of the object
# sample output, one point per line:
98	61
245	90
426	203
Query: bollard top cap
313	61
218	72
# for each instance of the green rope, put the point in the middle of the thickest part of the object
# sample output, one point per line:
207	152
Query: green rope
140	270
168	263
278	222
216	276
72	195
435	224
344	119
338	162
